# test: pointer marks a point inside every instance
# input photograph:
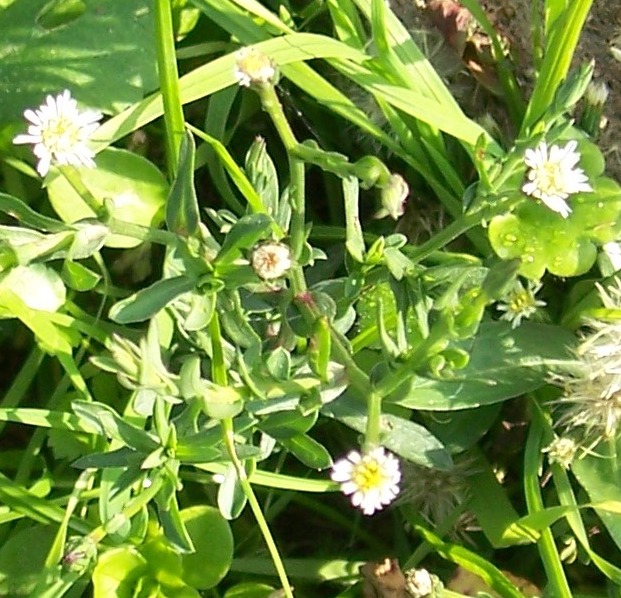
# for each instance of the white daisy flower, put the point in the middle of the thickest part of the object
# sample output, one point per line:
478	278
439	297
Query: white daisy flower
59	132
520	303
271	260
372	479
553	175
252	67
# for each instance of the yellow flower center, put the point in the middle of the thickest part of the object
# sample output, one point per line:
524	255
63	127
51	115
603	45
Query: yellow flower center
550	178
60	135
521	301
368	475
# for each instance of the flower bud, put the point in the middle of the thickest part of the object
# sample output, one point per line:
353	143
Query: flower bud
394	195
271	260
80	554
252	67
597	93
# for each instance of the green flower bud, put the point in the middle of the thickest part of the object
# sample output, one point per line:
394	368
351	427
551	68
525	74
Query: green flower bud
80	554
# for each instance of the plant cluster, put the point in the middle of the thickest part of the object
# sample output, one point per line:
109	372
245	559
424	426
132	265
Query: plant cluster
230	315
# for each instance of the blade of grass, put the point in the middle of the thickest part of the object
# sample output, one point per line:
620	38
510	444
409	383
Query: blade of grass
560	46
559	588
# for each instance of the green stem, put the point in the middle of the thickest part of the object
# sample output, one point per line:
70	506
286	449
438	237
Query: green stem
133	507
271	104
74	178
169	83
374	415
229	442
358	379
219	376
559	588
144	233
461	226
22	381
116	226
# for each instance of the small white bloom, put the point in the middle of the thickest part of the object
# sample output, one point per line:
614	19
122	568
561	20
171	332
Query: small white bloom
520	303
252	67
597	93
59	132
420	583
271	260
553	175
372	479
561	450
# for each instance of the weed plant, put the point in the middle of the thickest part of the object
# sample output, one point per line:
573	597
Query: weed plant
280	317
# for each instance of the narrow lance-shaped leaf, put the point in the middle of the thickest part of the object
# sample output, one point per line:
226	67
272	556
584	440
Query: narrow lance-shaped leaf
244	234
147	302
182	213
355	242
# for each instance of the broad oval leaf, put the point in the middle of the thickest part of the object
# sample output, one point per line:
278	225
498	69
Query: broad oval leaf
133	187
213	541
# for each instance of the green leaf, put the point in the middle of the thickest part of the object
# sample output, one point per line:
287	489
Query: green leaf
543	240
231	496
561	42
16	208
52	338
244	235
170	516
79	277
40	288
197	448
354	242
22	558
263	176
460	430
114	426
44	51
134	189
403	437
117	573
121	457
286	424
308	451
495	514
213	543
599	476
182	213
219	73
279	364
44	418
149	301
504	363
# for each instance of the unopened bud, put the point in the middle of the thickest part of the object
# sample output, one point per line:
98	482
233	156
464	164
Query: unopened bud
80	554
597	93
394	195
